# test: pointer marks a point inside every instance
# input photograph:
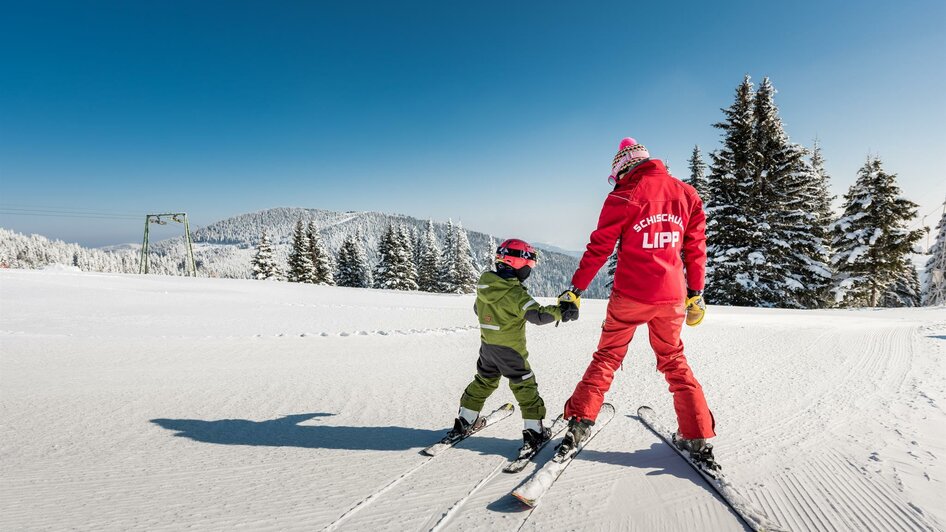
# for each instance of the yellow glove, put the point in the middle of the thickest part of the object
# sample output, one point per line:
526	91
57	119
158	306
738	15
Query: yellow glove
696	310
569	302
570	296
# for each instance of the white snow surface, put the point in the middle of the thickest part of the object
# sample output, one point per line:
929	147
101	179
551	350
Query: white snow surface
151	402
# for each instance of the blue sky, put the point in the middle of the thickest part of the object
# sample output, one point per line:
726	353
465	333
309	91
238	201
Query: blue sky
504	115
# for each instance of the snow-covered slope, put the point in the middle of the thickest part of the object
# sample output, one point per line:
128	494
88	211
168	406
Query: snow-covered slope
156	402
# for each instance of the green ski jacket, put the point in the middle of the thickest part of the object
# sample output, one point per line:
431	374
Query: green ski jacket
503	307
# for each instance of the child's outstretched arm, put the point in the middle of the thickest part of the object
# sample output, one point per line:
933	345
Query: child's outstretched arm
538	314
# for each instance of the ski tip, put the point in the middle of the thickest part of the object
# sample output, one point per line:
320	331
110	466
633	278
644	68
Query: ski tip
643	409
508	406
605	407
528	502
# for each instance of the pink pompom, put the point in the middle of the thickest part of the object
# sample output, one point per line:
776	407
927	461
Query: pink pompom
628	141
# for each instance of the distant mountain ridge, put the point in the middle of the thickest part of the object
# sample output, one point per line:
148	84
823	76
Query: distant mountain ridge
241	233
226	247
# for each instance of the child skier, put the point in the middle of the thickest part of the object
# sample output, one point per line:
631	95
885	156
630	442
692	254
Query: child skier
504	306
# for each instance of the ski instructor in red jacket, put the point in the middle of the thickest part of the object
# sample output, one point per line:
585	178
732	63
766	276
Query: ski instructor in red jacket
658	225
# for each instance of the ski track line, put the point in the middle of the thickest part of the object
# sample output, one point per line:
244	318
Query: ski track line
452	511
745	440
842	397
361	505
45	510
833	493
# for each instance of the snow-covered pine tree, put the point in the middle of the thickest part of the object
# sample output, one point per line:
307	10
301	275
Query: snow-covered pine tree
462	272
795	271
322	267
352	269
818	200
449	258
871	241
264	264
430	266
935	292
406	266
613	265
905	290
394	269
697	178
821	188
414	235
489	255
300	258
387	257
731	224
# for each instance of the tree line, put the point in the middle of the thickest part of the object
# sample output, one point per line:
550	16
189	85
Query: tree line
773	239
406	260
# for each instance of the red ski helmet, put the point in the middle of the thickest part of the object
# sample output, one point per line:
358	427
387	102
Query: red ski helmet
516	253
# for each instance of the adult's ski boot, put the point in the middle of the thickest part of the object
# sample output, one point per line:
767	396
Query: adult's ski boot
577	431
700	450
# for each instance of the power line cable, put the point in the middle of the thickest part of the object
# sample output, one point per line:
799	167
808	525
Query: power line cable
69	215
76	210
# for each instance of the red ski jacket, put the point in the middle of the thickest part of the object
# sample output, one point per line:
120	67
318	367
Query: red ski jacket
657	218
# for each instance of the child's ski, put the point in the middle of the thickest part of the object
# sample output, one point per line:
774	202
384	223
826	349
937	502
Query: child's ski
523	460
542	479
752	515
496	415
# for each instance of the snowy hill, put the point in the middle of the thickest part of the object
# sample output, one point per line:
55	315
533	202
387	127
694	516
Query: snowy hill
154	402
223	240
225	248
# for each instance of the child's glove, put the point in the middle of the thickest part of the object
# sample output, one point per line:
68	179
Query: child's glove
696	307
569	302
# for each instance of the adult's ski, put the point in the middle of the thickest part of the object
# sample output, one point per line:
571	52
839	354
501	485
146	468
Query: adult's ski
523	460
745	509
447	442
540	481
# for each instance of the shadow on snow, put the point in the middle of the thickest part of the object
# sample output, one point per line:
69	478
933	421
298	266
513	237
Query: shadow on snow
286	432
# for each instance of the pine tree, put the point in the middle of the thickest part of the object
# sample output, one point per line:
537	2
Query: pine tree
697	178
322	268
414	236
935	293
821	187
407	265
818	203
430	266
613	265
300	257
795	272
765	247
731	225
462	272
352	270
447	285
489	256
395	269
264	264
871	242
905	290
387	257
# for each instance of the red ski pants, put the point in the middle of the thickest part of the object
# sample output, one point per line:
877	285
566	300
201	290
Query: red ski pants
664	323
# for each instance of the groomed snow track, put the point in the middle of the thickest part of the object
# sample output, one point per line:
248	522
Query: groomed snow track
147	402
